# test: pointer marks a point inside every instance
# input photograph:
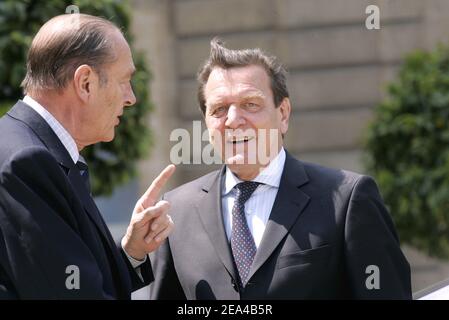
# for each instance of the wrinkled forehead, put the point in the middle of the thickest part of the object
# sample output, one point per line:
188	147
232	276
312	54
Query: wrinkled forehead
246	74
237	81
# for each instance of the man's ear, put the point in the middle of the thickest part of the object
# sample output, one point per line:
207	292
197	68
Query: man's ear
84	80
285	110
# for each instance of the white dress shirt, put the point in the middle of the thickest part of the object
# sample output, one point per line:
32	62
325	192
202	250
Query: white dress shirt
69	143
259	205
65	137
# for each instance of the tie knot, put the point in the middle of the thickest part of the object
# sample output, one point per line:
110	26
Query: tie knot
84	172
81	166
245	190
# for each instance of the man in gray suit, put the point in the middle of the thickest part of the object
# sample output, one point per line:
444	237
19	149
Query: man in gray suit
279	229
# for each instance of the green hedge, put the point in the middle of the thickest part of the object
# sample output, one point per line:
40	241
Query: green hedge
110	164
408	151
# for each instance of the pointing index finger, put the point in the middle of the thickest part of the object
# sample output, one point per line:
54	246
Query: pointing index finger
152	194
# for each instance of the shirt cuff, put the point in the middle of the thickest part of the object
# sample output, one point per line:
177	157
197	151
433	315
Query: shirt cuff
134	262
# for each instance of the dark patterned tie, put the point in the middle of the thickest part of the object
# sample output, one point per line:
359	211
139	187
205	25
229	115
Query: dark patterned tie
242	242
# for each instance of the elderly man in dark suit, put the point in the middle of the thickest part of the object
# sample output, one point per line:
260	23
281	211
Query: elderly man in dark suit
54	244
274	229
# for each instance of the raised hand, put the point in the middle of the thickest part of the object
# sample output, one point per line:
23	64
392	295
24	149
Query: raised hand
150	223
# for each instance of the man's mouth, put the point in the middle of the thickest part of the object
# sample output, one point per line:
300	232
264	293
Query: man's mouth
238	140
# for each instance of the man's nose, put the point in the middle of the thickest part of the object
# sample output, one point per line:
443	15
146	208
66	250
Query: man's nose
130	98
234	117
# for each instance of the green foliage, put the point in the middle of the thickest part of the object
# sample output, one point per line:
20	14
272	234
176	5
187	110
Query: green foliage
111	163
408	151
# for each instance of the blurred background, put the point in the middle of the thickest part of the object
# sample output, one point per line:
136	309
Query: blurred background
339	72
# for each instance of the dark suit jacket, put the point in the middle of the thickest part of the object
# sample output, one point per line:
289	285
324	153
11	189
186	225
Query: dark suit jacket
49	221
326	227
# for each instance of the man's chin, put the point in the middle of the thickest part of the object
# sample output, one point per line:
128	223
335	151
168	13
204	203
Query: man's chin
236	160
245	171
109	137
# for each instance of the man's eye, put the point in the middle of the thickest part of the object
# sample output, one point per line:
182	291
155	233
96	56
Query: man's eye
251	105
218	111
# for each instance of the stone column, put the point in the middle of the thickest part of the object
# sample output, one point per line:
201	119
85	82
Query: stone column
153	33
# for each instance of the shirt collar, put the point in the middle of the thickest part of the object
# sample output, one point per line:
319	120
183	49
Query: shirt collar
62	134
270	176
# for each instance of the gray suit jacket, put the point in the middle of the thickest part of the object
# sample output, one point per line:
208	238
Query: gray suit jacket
326	228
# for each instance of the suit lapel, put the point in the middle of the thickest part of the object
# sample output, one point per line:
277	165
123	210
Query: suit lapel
209	209
95	216
88	203
288	206
27	115
24	113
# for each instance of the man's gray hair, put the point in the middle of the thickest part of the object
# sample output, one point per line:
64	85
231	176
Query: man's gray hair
62	45
225	58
